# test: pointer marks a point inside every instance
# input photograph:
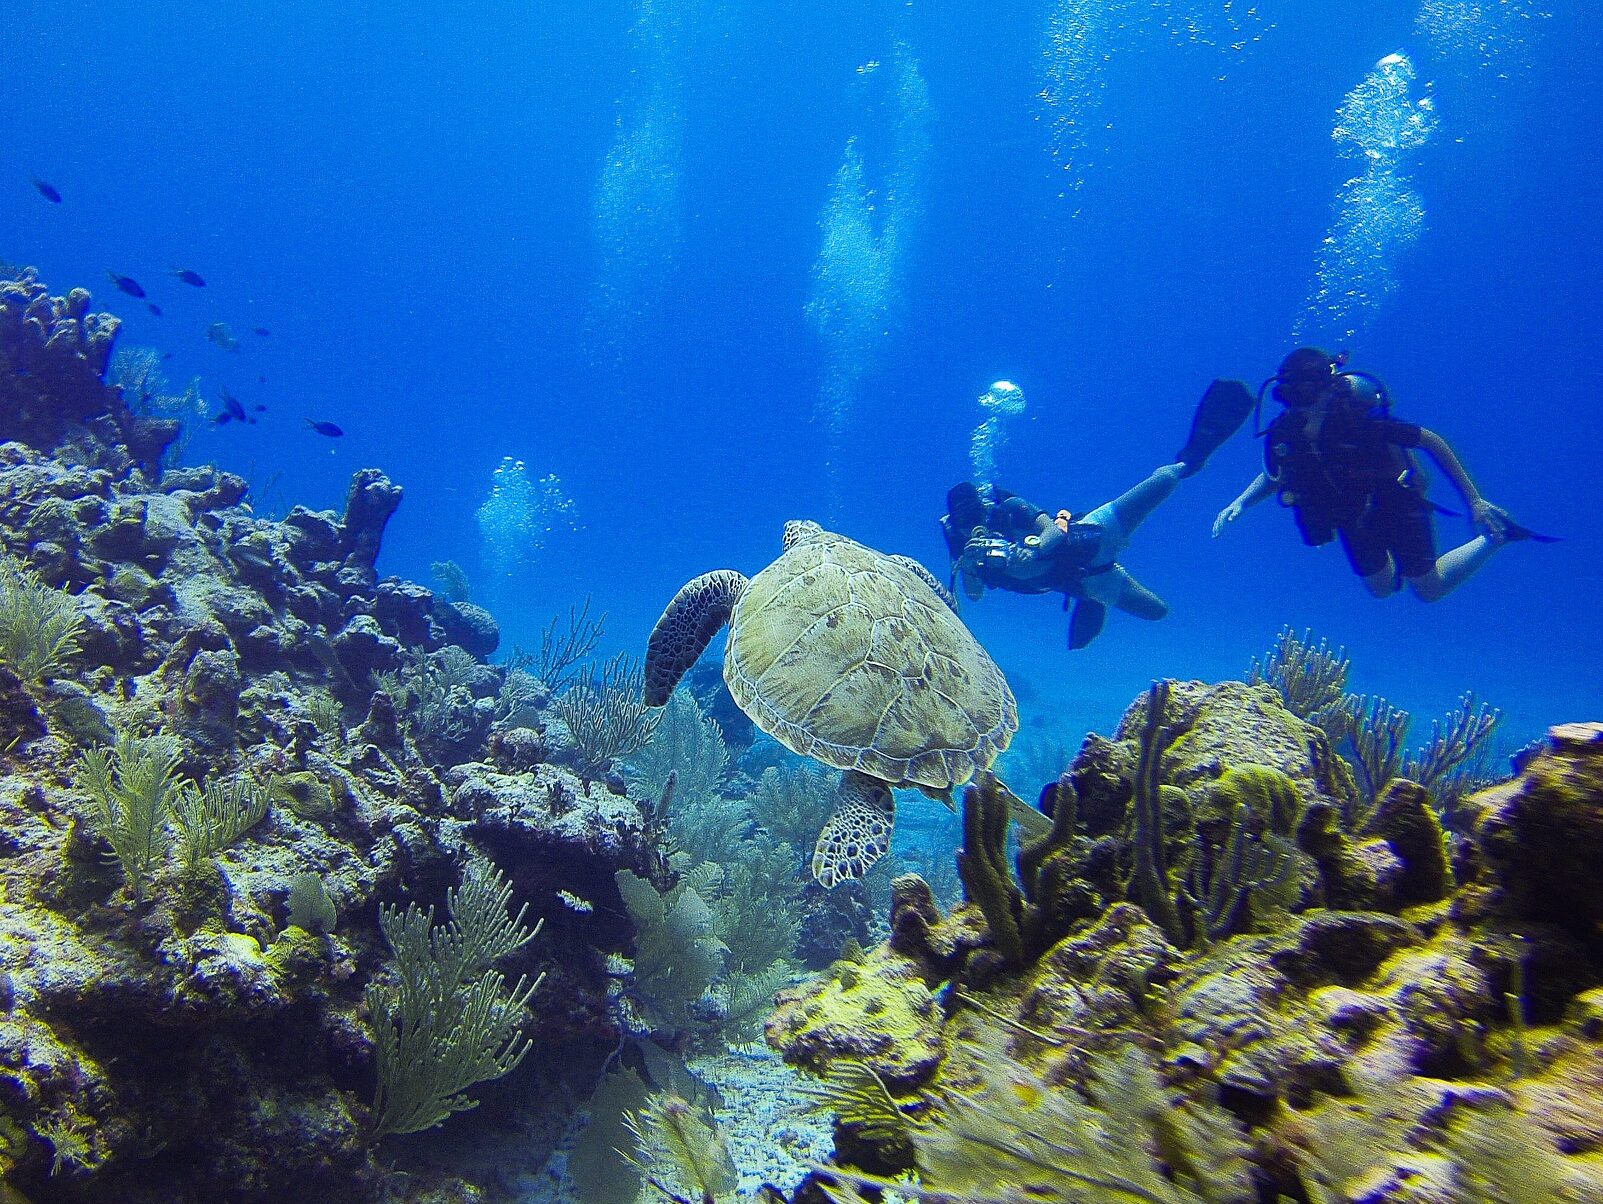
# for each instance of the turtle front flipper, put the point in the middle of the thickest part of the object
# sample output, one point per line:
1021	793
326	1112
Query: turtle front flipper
858	833
685	629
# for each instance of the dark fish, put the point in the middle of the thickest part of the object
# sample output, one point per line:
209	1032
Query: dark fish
46	191
153	308
188	277
325	428
126	283
166	355
261	380
261	330
223	419
259	408
219	333
236	411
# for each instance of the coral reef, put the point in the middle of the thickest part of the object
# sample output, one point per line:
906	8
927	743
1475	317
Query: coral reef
291	873
1391	1025
228	746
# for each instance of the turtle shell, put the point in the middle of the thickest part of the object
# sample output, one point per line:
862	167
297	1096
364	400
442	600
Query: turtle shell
842	654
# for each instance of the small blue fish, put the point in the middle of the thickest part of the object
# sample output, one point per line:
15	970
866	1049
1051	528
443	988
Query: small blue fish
325	428
219	334
190	278
127	284
153	308
262	331
46	191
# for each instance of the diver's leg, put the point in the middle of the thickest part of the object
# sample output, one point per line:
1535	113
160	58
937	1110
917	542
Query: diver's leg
1383	582
1136	599
1453	568
1085	622
1370	558
1131	508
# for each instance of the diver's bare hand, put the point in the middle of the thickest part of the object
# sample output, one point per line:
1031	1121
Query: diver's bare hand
1227	516
1489	519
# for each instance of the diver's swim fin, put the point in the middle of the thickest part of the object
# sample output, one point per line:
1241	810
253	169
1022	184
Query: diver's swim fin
1514	533
1220	413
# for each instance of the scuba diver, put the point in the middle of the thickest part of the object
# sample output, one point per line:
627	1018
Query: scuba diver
1338	459
998	540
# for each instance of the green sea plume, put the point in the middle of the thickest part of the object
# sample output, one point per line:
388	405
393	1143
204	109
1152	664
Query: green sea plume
682	1152
443	1019
210	820
39	626
1012	1137
133	788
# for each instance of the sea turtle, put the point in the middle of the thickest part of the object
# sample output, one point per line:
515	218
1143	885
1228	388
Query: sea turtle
855	658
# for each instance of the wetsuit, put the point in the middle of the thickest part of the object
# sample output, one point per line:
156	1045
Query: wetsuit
1346	474
1080	563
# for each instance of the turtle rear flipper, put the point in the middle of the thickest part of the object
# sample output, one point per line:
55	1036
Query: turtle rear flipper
858	833
682	634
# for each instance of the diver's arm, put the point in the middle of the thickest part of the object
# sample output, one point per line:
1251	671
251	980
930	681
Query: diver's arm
1260	489
1048	534
1486	516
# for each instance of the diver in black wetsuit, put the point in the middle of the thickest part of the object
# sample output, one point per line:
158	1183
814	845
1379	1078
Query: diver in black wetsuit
1338	459
1000	541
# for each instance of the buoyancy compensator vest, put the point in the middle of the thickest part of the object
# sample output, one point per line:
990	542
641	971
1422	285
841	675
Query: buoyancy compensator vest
1330	462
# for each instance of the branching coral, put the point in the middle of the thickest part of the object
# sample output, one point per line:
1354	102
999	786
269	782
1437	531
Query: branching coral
1222	879
445	1022
1376	733
562	649
606	713
1309	677
1453	741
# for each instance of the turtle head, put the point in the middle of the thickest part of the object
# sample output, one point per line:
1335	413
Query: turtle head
798	529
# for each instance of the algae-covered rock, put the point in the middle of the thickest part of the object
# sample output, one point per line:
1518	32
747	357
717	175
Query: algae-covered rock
305	794
879	1011
1542	832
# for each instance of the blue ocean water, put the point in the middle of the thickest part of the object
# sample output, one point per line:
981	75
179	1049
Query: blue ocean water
717	266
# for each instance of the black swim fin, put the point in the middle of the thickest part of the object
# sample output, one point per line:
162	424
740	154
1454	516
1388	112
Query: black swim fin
1514	533
1220	413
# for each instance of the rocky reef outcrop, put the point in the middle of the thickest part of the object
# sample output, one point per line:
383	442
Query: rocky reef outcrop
196	1031
1305	1000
